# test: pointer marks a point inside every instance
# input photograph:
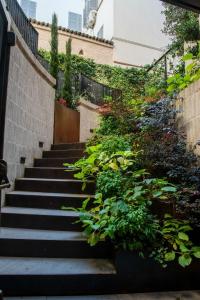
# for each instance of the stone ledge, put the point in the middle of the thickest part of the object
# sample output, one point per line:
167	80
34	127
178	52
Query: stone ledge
88	105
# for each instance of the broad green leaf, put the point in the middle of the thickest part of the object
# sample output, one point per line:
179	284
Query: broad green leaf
197	254
183	248
187	56
157	194
170	256
185	260
183	236
169	189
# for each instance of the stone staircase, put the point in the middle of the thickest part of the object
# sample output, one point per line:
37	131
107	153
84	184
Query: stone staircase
42	251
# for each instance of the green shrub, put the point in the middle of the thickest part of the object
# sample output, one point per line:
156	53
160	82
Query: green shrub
53	57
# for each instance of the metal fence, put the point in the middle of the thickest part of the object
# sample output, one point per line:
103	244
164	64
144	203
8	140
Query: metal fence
91	90
28	32
96	92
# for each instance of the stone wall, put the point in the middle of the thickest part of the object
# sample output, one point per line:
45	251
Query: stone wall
89	47
188	104
29	109
89	119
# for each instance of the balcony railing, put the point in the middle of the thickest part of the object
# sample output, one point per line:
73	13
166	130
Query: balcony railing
28	32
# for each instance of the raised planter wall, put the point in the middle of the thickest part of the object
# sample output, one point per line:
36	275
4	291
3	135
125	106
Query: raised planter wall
29	109
188	104
67	125
89	119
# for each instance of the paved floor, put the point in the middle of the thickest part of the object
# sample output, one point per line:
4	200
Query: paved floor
151	296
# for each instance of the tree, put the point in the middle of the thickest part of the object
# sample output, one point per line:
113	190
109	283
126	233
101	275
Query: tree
54	47
181	25
67	86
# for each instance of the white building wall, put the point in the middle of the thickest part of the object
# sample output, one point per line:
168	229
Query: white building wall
105	18
135	27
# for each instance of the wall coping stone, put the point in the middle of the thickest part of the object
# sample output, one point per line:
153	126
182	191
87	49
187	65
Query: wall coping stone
88	105
191	89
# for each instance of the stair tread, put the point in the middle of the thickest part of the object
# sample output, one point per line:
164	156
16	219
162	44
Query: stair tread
51	180
47	168
39	211
59	158
35	234
53	195
54	266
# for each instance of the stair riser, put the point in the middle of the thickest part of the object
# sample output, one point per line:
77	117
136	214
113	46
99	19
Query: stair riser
48	173
43	202
40	222
64	153
53	249
59	285
54	187
77	146
54	162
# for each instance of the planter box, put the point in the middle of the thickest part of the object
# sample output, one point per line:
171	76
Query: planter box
145	275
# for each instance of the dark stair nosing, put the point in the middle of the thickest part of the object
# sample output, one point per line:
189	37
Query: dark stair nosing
49	243
68	146
19	217
54	185
49	172
54	162
63	153
45	200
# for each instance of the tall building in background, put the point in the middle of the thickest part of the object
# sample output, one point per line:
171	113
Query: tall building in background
89	5
75	21
29	8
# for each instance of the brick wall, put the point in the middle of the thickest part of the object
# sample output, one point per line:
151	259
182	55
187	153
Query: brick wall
188	104
100	52
29	110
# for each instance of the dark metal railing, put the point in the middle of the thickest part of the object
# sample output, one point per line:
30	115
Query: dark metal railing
163	60
28	32
96	92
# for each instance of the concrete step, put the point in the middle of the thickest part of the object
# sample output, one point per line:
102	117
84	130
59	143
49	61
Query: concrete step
44	200
68	146
33	218
179	295
54	162
50	244
63	153
53	185
51	276
49	172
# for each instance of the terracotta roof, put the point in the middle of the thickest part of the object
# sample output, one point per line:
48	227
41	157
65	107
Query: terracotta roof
33	21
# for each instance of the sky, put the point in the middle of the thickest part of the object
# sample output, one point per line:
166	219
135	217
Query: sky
45	9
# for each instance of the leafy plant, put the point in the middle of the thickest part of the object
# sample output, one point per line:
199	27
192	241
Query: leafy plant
54	47
177	243
181	25
67	85
178	81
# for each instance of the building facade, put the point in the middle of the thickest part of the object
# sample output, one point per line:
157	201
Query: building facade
135	29
29	8
75	21
89	6
100	50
